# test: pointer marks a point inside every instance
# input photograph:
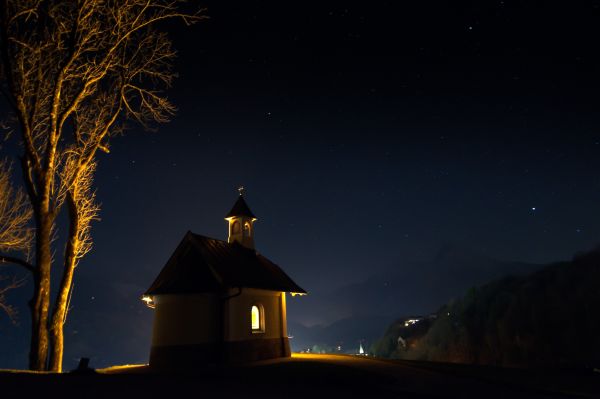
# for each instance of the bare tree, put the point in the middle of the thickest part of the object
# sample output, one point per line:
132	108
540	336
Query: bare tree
74	71
15	235
15	215
7	308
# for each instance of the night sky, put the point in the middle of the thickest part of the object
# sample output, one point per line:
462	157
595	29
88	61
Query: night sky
368	136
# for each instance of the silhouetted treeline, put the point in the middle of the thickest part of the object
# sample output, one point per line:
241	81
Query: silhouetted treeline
548	318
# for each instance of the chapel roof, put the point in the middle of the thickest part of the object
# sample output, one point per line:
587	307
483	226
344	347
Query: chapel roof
201	264
240	208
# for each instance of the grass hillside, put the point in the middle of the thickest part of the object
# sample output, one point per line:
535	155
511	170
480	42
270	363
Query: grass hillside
548	318
302	376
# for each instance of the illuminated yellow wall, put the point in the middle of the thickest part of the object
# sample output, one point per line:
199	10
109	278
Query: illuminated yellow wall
283	315
196	319
185	319
238	315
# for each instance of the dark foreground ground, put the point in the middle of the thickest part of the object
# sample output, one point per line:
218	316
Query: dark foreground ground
308	376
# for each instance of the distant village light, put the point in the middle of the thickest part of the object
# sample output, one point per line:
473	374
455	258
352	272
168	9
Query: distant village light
410	322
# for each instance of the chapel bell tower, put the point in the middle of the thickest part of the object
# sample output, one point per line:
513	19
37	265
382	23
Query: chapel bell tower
241	222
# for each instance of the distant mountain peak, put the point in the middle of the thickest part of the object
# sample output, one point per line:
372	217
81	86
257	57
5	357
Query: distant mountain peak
453	253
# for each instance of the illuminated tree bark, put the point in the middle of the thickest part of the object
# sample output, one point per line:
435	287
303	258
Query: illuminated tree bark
74	72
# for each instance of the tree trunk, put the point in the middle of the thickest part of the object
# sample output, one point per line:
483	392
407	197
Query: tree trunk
40	302
59	313
59	316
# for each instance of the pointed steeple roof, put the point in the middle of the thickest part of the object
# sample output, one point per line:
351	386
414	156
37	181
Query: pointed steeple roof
240	208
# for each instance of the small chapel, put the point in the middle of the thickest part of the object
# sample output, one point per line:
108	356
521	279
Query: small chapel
219	301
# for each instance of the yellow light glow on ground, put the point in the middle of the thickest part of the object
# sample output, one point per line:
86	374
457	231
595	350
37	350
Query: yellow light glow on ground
124	368
18	371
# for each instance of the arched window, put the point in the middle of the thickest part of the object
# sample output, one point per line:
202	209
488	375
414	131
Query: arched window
248	229
257	319
235	227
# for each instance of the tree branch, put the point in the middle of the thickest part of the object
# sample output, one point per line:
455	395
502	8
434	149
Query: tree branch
17	261
10	310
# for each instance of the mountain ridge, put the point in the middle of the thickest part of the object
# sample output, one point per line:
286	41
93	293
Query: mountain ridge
412	288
